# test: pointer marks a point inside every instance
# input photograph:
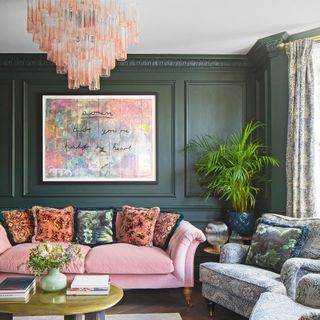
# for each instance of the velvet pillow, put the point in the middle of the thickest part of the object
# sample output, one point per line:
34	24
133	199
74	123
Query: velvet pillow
95	226
273	243
19	225
165	227
137	225
56	225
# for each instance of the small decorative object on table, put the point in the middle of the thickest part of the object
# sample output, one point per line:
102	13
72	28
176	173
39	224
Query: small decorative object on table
51	259
217	234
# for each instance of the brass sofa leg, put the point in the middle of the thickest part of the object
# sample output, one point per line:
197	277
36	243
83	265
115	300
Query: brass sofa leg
187	292
211	306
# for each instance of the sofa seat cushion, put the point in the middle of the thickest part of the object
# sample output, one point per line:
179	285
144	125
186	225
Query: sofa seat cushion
124	258
15	259
245	281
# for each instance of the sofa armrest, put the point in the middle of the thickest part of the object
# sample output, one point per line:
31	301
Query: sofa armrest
294	269
181	249
308	290
233	253
4	241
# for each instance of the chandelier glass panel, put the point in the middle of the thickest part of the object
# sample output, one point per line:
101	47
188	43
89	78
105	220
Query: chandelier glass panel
84	38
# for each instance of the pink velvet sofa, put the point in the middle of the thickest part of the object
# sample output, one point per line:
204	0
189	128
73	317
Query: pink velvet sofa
129	266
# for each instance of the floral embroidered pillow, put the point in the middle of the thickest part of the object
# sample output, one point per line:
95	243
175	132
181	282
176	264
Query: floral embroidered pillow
95	226
137	225
273	243
55	225
19	225
165	227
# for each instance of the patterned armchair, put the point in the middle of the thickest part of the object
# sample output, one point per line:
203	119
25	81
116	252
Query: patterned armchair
238	286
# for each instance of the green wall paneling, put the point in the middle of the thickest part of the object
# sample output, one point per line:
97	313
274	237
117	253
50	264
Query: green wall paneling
7	142
191	90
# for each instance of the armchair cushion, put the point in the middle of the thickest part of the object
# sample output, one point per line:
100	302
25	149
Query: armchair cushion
274	243
308	290
244	281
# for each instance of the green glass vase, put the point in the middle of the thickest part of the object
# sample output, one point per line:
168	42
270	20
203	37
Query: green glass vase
53	281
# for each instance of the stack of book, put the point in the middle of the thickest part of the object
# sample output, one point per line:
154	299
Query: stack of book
89	285
17	289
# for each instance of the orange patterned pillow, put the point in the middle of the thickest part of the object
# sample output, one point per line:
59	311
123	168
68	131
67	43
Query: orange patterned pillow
53	224
19	225
137	225
166	225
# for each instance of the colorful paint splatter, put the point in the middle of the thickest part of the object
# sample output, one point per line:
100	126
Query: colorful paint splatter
99	138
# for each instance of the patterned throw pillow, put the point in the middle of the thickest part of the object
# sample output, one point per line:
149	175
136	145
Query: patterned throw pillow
53	224
95	226
165	227
19	225
137	225
272	244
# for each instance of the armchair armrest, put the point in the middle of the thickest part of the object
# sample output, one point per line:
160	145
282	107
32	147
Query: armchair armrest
308	290
233	253
181	249
294	269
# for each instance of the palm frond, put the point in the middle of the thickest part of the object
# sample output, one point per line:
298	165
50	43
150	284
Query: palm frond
231	168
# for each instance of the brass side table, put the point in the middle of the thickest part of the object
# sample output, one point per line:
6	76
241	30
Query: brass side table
58	304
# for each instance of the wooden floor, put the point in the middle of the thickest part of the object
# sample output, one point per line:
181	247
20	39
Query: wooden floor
170	300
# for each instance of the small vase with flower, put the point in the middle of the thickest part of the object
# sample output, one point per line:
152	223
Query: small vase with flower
52	258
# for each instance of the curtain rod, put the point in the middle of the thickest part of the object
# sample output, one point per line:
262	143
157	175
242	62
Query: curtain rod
285	44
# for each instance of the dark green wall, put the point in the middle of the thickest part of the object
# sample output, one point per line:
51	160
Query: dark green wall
196	95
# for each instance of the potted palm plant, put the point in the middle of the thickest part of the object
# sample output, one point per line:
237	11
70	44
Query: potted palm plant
233	170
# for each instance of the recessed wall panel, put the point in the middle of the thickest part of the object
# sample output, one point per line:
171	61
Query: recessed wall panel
212	108
6	139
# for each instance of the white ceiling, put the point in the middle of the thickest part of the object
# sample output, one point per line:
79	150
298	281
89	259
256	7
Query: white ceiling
187	26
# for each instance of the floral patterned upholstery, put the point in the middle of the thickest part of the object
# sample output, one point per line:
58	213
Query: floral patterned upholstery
238	282
238	287
274	306
234	253
294	269
308	290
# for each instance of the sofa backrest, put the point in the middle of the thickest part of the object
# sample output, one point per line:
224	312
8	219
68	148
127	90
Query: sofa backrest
311	248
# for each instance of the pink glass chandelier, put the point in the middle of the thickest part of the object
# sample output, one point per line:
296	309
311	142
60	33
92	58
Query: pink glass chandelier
84	38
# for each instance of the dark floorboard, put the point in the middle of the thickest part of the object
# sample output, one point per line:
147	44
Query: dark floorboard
170	300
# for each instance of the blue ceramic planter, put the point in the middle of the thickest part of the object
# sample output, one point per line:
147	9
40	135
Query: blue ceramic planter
242	222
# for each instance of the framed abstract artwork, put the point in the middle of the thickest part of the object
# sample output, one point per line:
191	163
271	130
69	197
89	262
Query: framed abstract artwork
99	138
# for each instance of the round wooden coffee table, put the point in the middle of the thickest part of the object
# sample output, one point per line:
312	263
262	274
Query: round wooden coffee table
71	307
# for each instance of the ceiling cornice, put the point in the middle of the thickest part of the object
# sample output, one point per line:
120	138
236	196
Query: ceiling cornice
39	61
267	48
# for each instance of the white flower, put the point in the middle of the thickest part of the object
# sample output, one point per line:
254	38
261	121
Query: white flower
44	253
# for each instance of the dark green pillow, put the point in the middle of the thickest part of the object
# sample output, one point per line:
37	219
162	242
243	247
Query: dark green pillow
274	243
95	226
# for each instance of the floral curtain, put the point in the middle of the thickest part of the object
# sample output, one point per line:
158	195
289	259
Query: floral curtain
301	130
